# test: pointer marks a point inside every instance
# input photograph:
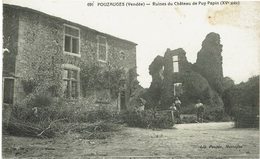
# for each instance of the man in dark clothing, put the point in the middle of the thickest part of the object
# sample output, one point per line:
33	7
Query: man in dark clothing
200	111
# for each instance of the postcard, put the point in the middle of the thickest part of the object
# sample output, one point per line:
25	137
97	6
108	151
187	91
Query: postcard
130	79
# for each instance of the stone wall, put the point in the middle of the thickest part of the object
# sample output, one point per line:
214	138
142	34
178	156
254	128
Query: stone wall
171	77
10	41
40	48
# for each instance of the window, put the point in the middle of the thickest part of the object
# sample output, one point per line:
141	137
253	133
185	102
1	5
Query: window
8	90
71	37
175	63
71	82
178	89
102	49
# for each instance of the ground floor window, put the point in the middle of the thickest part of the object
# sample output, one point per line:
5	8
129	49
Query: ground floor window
70	83
8	90
178	89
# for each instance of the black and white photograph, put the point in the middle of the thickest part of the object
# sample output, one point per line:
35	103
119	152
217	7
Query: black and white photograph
130	79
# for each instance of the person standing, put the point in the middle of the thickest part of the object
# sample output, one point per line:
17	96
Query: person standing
199	110
173	111
177	103
141	105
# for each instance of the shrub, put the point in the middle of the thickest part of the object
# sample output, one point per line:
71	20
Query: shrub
60	110
162	120
29	85
40	101
148	119
98	115
54	119
189	119
216	114
245	118
245	94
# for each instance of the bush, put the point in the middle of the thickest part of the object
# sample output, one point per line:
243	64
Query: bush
55	118
59	110
245	118
162	120
244	95
189	119
98	115
148	119
27	114
40	101
216	114
137	119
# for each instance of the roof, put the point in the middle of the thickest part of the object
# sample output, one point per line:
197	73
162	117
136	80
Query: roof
58	18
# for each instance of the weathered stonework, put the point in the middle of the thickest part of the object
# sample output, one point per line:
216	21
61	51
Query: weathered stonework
154	92
209	61
10	41
171	77
37	42
198	81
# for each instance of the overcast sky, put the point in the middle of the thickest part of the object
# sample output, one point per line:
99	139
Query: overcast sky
155	29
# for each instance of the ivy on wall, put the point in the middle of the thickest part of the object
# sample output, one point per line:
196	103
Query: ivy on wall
95	77
40	56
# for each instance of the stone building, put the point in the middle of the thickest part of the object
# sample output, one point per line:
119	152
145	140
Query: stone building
173	76
54	49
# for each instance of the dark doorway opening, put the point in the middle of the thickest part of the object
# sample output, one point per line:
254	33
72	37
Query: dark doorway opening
8	90
122	101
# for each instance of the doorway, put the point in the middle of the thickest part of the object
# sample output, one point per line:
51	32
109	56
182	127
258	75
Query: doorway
8	90
122	100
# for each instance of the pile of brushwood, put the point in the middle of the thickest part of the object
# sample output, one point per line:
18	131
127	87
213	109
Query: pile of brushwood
55	119
150	119
42	117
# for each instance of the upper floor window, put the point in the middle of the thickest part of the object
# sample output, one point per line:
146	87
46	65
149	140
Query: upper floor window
175	63
102	49
71	40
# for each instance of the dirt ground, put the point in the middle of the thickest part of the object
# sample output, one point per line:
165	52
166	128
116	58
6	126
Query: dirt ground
200	140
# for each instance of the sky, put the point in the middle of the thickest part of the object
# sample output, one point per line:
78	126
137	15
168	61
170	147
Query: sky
156	28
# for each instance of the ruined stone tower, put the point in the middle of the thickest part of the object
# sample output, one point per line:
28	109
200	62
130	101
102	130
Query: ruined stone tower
175	64
173	76
154	91
209	61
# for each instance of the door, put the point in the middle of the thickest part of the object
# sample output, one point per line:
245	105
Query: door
8	90
122	100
